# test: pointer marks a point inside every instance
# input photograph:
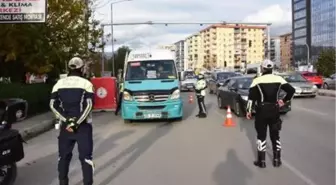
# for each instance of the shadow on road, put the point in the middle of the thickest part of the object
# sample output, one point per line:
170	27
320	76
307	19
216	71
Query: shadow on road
136	150
232	171
44	170
247	126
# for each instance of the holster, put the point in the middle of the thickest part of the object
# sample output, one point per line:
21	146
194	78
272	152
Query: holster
277	125
270	111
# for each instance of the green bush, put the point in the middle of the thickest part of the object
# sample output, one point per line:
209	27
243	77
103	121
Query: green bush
37	95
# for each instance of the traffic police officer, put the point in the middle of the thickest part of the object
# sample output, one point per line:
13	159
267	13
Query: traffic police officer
72	102
121	91
264	92
201	85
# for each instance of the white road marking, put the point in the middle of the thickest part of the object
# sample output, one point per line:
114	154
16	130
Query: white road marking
297	172
310	110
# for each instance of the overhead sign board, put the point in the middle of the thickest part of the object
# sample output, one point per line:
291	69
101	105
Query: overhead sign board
23	11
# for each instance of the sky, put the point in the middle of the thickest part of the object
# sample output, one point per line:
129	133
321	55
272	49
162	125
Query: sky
277	12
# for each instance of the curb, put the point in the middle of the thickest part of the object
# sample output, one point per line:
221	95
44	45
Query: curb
38	129
330	94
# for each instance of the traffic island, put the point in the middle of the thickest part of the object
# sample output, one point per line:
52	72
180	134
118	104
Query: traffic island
35	126
325	92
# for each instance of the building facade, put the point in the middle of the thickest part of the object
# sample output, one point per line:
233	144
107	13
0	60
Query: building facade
286	50
323	31
232	46
180	53
301	35
194	51
275	50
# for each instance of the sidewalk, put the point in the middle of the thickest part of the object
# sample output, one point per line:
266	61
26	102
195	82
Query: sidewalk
34	126
324	92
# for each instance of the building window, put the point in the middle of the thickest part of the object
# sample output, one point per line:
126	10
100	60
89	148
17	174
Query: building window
300	14
300	32
300	23
300	41
299	5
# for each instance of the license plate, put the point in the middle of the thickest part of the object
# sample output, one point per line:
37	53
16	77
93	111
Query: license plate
154	115
189	86
306	90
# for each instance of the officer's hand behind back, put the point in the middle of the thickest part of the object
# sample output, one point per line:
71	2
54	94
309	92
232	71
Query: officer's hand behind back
71	125
248	115
281	103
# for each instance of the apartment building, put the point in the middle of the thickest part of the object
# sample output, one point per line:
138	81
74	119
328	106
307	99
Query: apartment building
181	54
232	46
286	50
275	51
194	51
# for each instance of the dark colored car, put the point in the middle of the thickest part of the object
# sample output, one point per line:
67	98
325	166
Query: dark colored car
234	93
17	109
217	79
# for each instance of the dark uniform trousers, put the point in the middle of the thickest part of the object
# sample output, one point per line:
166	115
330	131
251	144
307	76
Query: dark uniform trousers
268	116
119	103
201	105
66	143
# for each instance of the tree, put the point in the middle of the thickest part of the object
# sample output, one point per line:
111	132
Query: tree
326	62
43	47
119	58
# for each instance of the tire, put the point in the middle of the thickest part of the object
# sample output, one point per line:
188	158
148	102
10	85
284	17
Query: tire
178	120
19	114
220	103
210	91
238	110
127	121
10	175
313	96
325	86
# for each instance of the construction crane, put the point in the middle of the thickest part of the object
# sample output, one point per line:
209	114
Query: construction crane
200	23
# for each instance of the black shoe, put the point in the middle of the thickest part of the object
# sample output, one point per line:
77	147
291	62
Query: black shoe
261	160
202	115
277	158
116	113
64	182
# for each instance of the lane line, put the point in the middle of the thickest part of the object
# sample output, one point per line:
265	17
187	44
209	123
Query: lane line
298	173
310	110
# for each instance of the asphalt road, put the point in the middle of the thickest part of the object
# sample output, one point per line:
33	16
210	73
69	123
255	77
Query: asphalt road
196	151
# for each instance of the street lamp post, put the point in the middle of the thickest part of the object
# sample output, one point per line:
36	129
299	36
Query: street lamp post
112	35
308	54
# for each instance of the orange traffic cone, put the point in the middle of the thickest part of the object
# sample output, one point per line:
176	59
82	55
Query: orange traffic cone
191	100
228	121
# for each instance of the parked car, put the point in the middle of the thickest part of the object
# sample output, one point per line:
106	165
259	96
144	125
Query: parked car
314	78
234	93
218	78
303	87
329	83
17	109
11	147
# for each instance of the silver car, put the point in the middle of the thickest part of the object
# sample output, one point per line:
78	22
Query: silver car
188	84
303	88
329	83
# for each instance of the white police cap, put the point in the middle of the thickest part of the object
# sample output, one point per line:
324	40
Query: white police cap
76	63
268	64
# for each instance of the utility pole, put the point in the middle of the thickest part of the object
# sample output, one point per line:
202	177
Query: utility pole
112	41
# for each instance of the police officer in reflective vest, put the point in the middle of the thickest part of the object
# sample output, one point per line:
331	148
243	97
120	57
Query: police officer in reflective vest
72	102
263	95
121	91
201	85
